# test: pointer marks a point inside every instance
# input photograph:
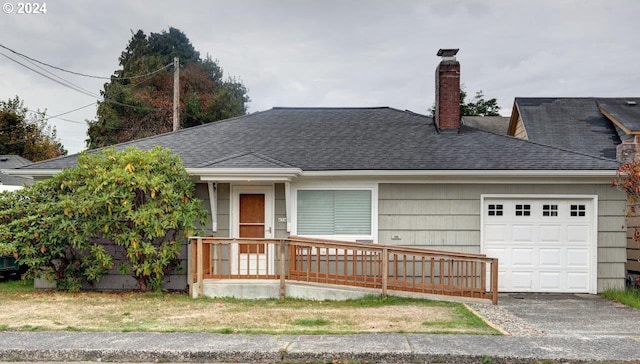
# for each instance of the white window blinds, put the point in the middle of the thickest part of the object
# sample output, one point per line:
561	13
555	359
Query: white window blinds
334	212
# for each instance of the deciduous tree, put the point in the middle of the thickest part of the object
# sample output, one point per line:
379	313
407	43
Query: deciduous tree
26	133
135	107
478	106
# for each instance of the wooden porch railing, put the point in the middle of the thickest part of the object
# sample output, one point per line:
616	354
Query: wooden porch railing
378	266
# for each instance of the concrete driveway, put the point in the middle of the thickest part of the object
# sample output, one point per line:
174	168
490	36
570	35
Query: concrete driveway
573	315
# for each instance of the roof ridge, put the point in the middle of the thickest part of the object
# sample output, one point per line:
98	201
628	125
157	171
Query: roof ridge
593	98
271	159
241	154
330	107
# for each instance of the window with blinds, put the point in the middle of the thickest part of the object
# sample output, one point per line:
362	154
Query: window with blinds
334	212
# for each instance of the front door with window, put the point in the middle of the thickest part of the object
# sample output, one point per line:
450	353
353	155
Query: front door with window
252	220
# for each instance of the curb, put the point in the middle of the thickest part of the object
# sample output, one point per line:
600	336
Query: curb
143	356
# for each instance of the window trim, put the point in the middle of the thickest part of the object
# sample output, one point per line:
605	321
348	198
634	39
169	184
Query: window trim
338	186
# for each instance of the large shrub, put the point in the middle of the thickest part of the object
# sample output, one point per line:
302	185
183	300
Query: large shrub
141	201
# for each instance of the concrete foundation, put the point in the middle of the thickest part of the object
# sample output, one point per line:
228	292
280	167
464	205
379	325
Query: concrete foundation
264	289
261	289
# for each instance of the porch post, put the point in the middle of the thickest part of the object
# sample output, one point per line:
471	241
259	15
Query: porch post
287	203
193	270
200	266
494	281
385	271
282	269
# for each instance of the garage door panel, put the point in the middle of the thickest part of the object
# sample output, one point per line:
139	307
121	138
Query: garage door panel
496	233
500	253
577	281
550	257
578	233
522	257
522	280
503	280
577	257
551	233
543	245
522	233
550	281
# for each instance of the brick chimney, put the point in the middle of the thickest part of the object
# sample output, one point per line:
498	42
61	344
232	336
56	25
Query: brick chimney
447	115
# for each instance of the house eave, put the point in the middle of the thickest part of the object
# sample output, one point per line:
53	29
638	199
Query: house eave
31	172
289	174
244	174
463	173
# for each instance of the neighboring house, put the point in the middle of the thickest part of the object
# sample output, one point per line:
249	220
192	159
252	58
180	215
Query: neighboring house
11	183
397	177
494	124
606	127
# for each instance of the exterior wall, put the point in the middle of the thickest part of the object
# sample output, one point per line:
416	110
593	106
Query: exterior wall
280	212
520	130
114	281
223	195
447	217
223	207
633	239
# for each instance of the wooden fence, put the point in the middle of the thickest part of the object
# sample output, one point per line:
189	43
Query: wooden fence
378	266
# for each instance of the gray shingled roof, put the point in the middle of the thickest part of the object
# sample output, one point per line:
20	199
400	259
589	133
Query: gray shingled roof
332	139
9	162
570	123
625	110
494	124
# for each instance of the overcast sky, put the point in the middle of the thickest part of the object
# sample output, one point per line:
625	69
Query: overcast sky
334	52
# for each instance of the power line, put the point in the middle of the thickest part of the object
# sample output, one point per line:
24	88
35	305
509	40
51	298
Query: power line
71	121
84	92
60	78
50	78
70	111
83	74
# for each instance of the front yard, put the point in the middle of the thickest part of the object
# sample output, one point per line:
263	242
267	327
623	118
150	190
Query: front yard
24	309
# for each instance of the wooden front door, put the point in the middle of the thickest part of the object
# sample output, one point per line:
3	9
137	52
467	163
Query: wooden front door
252	219
251	223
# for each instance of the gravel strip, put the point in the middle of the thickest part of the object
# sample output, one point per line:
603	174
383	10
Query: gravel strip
504	321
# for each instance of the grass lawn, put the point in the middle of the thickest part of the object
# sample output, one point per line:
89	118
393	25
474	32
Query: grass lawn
22	308
629	297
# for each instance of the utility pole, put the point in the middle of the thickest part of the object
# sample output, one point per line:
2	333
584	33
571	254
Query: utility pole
176	93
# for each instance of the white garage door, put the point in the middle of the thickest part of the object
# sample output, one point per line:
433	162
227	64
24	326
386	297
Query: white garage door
543	245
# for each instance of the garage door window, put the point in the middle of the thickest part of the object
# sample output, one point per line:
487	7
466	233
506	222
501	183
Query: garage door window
578	210
523	210
495	210
549	210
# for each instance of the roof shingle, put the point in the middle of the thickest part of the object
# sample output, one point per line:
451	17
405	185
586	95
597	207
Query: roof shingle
333	139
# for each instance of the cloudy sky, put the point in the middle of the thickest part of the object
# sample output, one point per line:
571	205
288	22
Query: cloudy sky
334	52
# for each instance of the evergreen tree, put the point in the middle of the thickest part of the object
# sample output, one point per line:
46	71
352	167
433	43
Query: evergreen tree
138	101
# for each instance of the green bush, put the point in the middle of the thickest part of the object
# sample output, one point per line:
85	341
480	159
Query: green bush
141	201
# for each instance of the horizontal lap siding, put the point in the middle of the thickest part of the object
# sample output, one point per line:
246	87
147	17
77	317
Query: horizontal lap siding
633	239
280	212
202	193
447	217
